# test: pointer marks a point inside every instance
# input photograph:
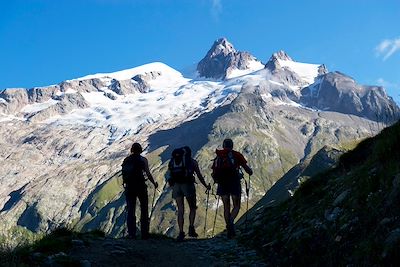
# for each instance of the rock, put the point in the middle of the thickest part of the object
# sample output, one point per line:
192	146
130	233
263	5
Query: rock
37	256
332	216
221	59
385	221
122	248
322	70
77	243
85	263
111	95
66	104
393	238
118	252
51	260
391	243
298	234
143	80
281	55
336	91
340	198
15	100
123	87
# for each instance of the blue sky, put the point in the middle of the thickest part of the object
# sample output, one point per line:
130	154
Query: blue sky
44	42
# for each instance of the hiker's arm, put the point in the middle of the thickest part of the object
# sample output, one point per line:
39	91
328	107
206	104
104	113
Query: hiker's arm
199	175
147	171
243	163
247	169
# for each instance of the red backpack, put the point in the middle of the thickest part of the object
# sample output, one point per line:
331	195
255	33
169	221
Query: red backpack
224	166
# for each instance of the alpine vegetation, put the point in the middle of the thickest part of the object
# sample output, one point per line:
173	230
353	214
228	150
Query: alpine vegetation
346	215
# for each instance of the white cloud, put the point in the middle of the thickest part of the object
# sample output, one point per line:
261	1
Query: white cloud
387	48
387	84
216	8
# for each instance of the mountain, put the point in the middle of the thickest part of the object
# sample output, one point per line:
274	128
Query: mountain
345	215
338	92
224	61
61	146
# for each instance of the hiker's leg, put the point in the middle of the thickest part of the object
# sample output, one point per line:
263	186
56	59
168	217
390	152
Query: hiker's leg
192	215
236	207
227	208
192	206
131	219
144	213
181	209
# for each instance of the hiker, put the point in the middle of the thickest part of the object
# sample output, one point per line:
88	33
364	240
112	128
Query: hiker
181	177
226	173
133	169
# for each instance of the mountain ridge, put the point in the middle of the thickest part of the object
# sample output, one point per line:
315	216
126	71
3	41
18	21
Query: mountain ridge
62	146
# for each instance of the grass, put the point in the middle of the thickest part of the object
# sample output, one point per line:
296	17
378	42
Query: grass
108	191
307	224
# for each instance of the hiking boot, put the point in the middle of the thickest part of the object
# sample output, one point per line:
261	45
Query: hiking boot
230	231
180	237
192	232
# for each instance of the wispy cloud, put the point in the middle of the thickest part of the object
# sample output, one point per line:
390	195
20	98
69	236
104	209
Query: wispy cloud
216	8
387	84
387	48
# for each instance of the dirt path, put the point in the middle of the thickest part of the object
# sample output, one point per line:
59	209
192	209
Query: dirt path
217	251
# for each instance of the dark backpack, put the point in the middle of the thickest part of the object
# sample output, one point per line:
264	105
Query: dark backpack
180	166
132	170
224	167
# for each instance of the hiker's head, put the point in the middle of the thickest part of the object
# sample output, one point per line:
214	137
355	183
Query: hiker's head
136	148
228	143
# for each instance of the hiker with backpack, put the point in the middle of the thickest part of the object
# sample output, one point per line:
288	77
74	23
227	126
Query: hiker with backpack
133	169
226	173
181	169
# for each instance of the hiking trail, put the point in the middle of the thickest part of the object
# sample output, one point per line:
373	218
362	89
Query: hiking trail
217	251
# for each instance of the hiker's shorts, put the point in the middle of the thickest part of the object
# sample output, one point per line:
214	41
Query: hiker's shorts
234	189
183	190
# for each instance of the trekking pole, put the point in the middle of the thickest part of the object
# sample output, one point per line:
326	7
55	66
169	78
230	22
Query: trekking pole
153	202
205	220
215	218
247	201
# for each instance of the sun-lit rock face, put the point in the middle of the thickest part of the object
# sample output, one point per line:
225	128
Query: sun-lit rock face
223	61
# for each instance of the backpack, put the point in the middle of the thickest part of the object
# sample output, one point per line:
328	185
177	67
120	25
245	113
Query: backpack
224	167
132	170
180	166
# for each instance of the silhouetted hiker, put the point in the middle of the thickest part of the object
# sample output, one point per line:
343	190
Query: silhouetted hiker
226	172
133	169
181	169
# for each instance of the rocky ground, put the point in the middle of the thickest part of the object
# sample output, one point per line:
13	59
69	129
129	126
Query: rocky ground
66	248
217	251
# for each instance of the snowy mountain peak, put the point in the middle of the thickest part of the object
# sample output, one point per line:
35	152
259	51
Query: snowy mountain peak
130	73
322	69
223	61
282	55
222	46
305	73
